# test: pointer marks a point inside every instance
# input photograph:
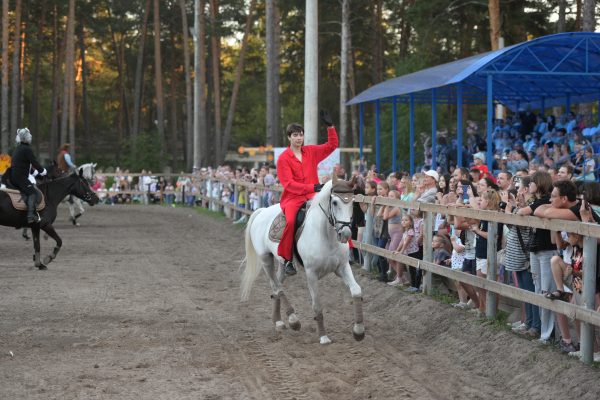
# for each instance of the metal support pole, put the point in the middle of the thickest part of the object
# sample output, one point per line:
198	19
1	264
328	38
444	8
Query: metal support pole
428	250
492	268
361	127
311	73
378	135
543	106
433	129
412	133
394	133
459	125
490	117
589	288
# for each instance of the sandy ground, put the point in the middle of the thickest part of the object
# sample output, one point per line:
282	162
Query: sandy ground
142	303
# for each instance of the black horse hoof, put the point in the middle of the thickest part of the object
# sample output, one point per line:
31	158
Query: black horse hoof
358	337
295	325
47	260
42	267
26	237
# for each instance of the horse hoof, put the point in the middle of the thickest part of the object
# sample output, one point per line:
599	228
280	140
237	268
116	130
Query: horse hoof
279	326
294	322
358	331
42	267
47	260
324	340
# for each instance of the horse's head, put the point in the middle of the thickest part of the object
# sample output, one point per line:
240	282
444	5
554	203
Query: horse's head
88	171
340	208
81	188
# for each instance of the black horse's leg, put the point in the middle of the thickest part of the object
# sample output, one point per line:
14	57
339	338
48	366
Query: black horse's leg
49	229
35	232
24	234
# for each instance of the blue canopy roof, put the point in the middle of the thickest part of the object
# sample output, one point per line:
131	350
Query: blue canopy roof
547	70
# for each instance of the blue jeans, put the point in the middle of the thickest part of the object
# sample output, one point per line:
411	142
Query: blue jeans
532	312
543	282
382	263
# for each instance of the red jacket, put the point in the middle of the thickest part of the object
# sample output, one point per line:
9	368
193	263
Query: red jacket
299	178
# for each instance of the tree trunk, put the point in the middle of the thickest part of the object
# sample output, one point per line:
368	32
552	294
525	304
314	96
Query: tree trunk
562	10
216	76
4	107
16	71
377	20
189	131
173	123
273	103
589	16
200	135
578	13
139	76
352	87
72	141
160	110
58	56
344	75
87	137
69	59
34	113
494	13
236	83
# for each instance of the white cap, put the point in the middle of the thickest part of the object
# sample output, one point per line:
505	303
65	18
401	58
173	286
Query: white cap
23	136
433	174
480	155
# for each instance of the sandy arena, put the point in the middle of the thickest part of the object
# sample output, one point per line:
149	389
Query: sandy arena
143	303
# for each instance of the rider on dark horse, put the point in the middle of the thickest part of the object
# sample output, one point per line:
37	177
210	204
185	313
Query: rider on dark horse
22	161
297	172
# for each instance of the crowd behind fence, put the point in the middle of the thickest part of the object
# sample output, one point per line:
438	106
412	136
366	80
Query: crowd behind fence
238	198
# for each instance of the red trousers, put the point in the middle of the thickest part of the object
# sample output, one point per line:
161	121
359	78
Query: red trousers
286	244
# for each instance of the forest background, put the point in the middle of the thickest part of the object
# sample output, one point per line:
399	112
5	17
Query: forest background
114	77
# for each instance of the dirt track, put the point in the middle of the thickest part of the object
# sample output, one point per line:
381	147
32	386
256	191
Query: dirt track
142	303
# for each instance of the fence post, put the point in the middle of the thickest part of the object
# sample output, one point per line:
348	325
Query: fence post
589	289
492	265
428	250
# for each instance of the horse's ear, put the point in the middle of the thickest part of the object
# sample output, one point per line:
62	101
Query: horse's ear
94	165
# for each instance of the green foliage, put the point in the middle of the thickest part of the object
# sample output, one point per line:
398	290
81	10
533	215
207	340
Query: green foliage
413	35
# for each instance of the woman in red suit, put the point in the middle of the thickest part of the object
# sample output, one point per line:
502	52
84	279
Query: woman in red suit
297	172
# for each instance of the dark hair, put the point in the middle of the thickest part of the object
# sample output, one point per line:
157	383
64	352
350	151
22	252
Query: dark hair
293	127
591	192
491	184
543	181
566	188
523	154
508	174
568	167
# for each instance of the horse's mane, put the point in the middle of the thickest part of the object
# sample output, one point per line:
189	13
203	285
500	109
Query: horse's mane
323	194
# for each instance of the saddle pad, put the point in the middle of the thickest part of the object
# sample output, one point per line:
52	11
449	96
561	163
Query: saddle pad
277	227
19	204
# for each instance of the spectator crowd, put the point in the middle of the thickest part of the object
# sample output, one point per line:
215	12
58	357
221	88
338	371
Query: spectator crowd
542	167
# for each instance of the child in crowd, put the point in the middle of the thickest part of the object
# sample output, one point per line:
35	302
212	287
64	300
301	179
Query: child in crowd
408	246
440	247
567	273
417	225
393	215
456	262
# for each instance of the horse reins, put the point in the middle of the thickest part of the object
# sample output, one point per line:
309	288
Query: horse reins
333	221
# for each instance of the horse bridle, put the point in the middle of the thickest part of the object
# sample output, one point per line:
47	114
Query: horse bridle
333	221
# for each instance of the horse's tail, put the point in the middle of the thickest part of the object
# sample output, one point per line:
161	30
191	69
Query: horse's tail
250	262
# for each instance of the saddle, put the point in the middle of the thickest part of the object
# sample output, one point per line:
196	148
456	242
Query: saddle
278	225
17	198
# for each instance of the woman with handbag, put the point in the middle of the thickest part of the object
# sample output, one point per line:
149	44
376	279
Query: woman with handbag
518	241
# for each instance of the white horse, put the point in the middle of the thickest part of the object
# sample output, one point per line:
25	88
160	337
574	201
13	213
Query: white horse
76	209
323	247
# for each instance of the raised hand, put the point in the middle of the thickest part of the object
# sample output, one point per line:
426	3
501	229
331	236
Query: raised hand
326	118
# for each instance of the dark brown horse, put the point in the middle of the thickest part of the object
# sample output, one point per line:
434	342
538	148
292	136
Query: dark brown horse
54	189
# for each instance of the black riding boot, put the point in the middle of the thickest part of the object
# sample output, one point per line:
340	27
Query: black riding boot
32	215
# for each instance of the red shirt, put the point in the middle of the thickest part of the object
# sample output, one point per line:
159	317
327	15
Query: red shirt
299	178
